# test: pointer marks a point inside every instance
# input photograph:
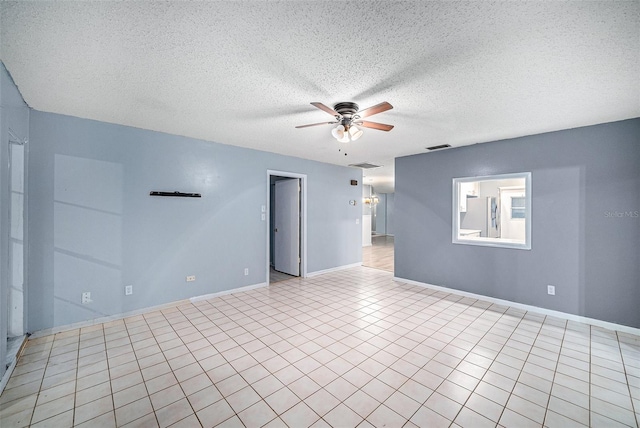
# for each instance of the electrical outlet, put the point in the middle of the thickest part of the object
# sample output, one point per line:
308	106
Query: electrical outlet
128	290
263	216
191	278
551	289
246	271
86	298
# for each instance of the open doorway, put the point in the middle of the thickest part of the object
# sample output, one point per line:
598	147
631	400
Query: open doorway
16	230
286	226
378	234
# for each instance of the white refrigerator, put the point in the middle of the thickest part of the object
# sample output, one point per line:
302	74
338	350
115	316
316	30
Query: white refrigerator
482	214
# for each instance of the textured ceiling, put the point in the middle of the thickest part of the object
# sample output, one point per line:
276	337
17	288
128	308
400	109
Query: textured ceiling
244	72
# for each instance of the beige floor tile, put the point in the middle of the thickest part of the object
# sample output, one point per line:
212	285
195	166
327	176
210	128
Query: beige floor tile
361	403
304	387
215	414
64	419
300	415
444	406
106	420
341	415
243	399
526	408
425	417
17	419
174	412
267	386
56	392
204	398
378	390
257	415
147	421
402	404
321	402
166	396
510	418
19	405
384	416
53	408
132	411
230	385
93	409
341	389
282	400
467	418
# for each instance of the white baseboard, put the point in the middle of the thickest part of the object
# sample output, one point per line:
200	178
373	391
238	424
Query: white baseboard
335	269
7	375
543	311
225	292
101	320
10	367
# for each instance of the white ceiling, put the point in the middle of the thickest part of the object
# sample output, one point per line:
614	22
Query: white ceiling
244	72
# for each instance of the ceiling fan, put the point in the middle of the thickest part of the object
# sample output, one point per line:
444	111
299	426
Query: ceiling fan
347	115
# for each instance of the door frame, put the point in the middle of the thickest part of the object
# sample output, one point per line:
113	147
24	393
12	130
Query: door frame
303	220
19	142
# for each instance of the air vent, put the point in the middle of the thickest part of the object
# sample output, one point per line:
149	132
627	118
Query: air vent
441	146
364	165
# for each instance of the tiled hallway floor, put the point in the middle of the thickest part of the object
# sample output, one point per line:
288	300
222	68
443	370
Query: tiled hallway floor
345	349
380	253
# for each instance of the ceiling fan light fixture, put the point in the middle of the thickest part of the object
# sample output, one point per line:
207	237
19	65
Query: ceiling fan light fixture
338	132
345	138
355	132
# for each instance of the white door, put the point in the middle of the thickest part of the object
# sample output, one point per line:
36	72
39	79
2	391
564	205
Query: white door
286	246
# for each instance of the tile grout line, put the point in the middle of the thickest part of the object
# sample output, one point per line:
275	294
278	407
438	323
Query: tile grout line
626	376
555	371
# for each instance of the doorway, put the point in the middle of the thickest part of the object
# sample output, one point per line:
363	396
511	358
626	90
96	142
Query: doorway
377	229
286	226
15	275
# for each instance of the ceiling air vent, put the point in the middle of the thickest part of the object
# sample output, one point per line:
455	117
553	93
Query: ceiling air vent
441	146
364	165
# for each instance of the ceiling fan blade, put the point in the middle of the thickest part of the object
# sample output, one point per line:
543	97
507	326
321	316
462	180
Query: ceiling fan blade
323	107
375	125
316	124
378	108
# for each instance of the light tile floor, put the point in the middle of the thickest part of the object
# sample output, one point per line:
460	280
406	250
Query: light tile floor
345	349
275	276
380	254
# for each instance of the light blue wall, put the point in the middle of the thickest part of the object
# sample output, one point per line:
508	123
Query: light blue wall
580	178
95	228
14	115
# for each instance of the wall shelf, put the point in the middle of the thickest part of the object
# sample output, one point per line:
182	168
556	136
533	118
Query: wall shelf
178	194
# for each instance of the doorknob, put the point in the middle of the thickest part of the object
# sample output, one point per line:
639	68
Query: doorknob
275	230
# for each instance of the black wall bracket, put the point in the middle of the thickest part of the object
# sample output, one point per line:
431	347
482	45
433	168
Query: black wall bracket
179	194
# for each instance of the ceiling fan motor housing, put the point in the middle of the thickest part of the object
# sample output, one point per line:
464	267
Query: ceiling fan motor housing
347	110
